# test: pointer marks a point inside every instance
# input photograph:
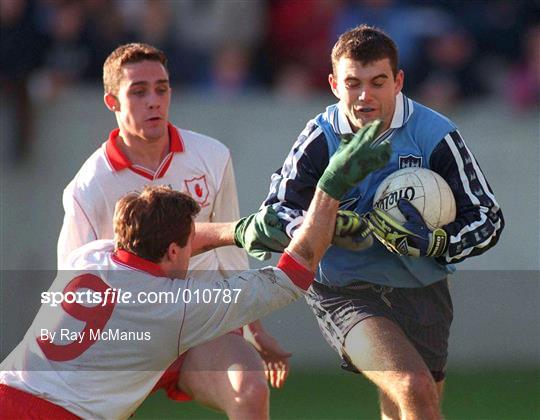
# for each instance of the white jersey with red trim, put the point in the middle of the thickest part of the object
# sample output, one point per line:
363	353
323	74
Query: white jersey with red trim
101	355
197	165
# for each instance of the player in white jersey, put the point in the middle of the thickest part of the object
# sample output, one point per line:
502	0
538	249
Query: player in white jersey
125	341
147	150
100	344
194	164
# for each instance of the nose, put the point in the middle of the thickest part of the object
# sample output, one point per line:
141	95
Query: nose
364	94
153	101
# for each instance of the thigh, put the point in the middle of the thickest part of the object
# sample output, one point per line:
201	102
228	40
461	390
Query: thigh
379	344
415	320
380	350
425	315
213	374
338	310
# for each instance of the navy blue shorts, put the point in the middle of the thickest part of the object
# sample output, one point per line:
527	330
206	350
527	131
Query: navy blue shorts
424	314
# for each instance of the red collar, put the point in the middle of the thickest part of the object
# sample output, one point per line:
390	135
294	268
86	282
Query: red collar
138	263
119	160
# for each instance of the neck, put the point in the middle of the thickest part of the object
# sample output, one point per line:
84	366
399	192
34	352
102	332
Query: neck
148	154
172	271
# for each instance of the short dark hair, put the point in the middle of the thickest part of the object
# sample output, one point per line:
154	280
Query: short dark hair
126	54
365	44
146	223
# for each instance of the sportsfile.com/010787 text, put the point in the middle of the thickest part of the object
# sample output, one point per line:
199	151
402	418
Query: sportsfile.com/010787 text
113	295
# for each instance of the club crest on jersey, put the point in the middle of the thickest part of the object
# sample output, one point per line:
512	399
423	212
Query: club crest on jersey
198	190
410	161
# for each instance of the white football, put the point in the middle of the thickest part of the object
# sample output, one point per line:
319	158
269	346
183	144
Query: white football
425	189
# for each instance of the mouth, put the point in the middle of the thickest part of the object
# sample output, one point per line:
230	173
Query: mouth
365	113
364	109
154	121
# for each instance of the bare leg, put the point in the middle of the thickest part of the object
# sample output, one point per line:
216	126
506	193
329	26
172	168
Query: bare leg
379	348
227	374
389	410
440	390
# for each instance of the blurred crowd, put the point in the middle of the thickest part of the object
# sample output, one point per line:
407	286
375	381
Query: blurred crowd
451	50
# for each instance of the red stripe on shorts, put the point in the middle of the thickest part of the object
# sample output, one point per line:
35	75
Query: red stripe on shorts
169	381
17	404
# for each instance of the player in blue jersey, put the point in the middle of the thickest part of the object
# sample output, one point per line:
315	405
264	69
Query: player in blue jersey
388	315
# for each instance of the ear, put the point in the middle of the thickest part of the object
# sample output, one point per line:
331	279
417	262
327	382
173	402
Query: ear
333	85
400	77
111	102
173	252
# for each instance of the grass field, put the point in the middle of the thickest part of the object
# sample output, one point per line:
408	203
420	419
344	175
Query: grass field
489	395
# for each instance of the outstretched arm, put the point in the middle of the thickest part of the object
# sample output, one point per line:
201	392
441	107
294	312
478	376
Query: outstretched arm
263	224
212	235
314	236
320	220
353	160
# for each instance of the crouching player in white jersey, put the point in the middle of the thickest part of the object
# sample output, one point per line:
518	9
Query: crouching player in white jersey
101	355
146	149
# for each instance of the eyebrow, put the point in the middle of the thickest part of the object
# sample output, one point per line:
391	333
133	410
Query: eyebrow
382	75
145	83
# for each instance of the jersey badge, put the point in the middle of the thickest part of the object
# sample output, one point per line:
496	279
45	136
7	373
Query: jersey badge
198	190
410	161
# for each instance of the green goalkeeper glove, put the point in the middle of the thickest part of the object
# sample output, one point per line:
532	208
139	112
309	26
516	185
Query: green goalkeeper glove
354	160
412	237
260	233
352	232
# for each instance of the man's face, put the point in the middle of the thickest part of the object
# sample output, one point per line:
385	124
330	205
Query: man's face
367	92
142	103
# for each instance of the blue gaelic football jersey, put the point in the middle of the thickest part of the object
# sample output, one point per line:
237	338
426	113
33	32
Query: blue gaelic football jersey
420	137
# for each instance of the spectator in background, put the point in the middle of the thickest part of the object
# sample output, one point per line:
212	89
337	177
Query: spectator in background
399	20
450	53
216	41
230	73
523	83
299	38
496	25
449	71
68	52
21	52
105	30
151	22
